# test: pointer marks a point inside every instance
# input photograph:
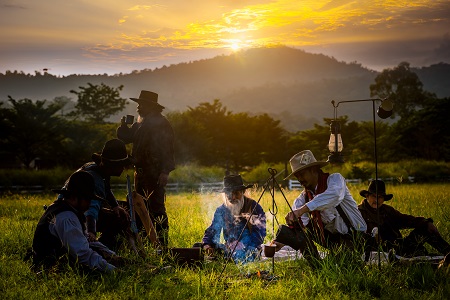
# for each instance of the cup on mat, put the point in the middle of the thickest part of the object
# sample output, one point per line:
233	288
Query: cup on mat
269	250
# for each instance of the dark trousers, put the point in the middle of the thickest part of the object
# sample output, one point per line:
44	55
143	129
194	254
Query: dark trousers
413	244
155	197
330	241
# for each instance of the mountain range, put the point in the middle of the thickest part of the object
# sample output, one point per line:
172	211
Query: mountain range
289	84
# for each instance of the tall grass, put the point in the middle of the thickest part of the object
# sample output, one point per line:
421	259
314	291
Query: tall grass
340	276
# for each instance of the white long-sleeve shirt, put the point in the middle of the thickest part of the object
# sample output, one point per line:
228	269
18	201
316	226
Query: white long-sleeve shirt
67	228
326	202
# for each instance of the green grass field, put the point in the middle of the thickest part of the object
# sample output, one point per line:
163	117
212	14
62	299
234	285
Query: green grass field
190	214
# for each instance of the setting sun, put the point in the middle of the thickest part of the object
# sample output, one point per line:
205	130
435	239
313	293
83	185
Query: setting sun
235	46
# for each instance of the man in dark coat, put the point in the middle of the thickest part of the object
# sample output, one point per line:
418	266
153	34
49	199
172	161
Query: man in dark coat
391	221
152	137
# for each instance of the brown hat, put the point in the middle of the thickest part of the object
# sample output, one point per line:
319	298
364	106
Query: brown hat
234	183
373	190
148	98
114	151
80	184
302	160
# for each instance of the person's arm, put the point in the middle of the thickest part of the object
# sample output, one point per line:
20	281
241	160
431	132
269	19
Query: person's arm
91	219
332	196
166	151
299	210
68	228
125	133
258	234
405	221
166	142
212	233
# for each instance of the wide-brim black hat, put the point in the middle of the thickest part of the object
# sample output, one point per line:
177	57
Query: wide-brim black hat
373	190
233	183
113	152
80	184
148	98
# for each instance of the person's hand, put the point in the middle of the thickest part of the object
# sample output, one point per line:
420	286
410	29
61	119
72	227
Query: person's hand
121	213
292	217
278	245
209	250
235	245
163	179
91	237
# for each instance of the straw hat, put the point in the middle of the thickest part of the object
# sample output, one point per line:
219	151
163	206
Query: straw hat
302	160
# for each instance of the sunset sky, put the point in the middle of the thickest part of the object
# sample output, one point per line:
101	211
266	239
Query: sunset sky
107	36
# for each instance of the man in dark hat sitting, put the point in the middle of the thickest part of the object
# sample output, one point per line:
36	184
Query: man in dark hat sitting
61	230
391	221
242	221
152	137
105	215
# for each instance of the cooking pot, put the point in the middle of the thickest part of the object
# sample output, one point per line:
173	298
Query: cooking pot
186	256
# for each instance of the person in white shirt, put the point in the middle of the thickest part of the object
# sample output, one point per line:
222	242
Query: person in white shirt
325	209
61	231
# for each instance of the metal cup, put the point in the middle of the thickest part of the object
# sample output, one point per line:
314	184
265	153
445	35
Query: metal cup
129	119
269	250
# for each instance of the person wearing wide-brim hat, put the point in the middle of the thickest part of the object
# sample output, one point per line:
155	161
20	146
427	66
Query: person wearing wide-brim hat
113	155
232	183
390	221
105	215
242	221
153	153
325	206
61	229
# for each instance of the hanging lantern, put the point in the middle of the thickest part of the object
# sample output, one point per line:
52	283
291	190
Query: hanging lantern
335	145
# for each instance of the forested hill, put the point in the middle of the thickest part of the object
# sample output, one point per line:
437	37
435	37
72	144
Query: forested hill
289	84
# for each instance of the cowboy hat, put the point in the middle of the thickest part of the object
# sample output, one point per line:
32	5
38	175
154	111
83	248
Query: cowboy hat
233	183
114	151
373	190
302	160
80	184
148	98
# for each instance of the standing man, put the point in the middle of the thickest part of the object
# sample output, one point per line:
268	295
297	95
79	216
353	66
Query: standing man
242	221
61	229
152	137
391	221
325	208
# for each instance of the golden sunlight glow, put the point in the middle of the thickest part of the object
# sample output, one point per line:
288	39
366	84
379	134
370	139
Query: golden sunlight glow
282	22
235	46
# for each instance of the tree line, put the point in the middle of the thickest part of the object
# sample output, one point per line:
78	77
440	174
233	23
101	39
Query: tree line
38	133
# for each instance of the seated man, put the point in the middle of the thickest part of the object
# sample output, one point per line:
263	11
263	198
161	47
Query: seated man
242	220
105	215
61	230
391	221
325	209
